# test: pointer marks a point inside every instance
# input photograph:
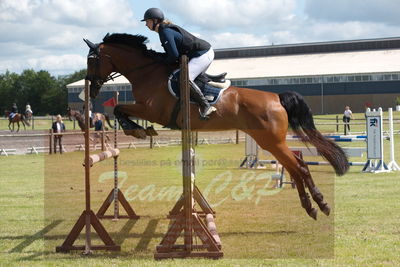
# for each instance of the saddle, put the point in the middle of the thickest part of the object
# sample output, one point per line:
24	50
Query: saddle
212	86
12	115
204	77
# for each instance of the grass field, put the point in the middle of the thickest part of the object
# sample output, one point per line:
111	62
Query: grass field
41	197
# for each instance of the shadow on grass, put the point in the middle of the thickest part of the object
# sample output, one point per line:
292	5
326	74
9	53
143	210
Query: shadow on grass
120	237
29	239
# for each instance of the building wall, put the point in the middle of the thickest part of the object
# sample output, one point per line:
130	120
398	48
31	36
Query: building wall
331	98
124	97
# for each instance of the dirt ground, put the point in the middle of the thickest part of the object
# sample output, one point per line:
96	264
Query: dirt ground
25	140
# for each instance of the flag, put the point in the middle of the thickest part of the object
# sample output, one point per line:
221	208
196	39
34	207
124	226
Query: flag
110	102
82	95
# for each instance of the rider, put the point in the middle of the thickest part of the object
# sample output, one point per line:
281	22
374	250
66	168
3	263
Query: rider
176	42
14	110
28	109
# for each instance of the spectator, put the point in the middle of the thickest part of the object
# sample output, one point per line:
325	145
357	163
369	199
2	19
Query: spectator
347	116
58	127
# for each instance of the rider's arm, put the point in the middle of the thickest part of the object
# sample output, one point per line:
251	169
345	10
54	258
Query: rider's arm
170	40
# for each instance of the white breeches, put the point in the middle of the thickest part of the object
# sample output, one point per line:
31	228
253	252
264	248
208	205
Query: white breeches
200	64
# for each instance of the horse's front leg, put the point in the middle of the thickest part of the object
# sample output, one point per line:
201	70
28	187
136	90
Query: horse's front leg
18	126
122	113
9	126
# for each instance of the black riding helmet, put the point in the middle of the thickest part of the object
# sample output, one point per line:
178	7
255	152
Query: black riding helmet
153	13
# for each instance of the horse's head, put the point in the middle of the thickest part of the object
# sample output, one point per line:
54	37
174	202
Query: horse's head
122	53
99	67
69	113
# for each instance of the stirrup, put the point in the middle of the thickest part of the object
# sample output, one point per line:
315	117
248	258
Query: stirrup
208	111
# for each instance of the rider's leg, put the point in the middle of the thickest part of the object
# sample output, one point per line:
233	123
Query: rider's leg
196	66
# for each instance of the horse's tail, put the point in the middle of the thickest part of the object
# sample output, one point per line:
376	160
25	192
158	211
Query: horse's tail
108	120
301	121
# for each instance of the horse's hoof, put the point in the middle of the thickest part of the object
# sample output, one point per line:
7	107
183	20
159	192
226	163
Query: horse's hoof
326	210
313	213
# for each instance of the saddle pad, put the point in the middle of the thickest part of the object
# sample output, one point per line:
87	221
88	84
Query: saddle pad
211	92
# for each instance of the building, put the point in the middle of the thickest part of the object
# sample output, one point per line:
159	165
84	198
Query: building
330	75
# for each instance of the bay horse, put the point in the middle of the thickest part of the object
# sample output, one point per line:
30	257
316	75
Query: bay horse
18	117
72	113
265	116
80	118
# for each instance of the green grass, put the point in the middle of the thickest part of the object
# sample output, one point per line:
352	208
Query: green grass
41	197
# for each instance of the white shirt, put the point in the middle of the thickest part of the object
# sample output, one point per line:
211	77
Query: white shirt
58	127
348	113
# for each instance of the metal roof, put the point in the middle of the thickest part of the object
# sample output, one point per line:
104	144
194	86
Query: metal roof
376	61
309	48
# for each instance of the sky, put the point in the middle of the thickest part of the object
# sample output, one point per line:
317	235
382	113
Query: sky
47	34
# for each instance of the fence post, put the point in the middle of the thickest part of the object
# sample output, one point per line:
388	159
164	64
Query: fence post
237	137
102	139
51	135
337	123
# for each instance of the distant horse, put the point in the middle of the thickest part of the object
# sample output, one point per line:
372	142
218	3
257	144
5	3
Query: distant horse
72	113
265	116
18	117
28	115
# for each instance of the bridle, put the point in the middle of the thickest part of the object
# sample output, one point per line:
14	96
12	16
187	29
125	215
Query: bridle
96	79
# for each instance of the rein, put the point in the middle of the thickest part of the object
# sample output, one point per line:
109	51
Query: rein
114	75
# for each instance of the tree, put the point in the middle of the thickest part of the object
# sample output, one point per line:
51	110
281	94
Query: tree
45	93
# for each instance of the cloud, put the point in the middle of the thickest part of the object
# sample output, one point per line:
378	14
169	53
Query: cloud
34	32
87	13
58	64
37	32
17	10
350	30
216	15
228	40
383	11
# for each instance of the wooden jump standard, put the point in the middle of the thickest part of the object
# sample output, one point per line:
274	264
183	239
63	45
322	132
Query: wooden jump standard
115	194
184	218
88	218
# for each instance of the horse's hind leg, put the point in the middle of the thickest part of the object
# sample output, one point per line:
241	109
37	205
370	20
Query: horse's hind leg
314	191
286	157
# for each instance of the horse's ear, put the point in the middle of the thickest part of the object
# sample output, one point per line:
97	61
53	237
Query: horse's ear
91	45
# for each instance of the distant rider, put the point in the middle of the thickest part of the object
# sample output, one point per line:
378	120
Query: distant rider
28	109
14	111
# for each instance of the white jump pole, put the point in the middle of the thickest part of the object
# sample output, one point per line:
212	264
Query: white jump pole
392	165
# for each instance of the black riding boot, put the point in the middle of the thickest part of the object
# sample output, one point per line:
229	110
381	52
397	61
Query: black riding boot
197	95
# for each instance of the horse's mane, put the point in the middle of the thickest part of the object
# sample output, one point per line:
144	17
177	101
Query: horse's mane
136	41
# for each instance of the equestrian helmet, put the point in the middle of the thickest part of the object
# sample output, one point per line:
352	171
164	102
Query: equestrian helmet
153	13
